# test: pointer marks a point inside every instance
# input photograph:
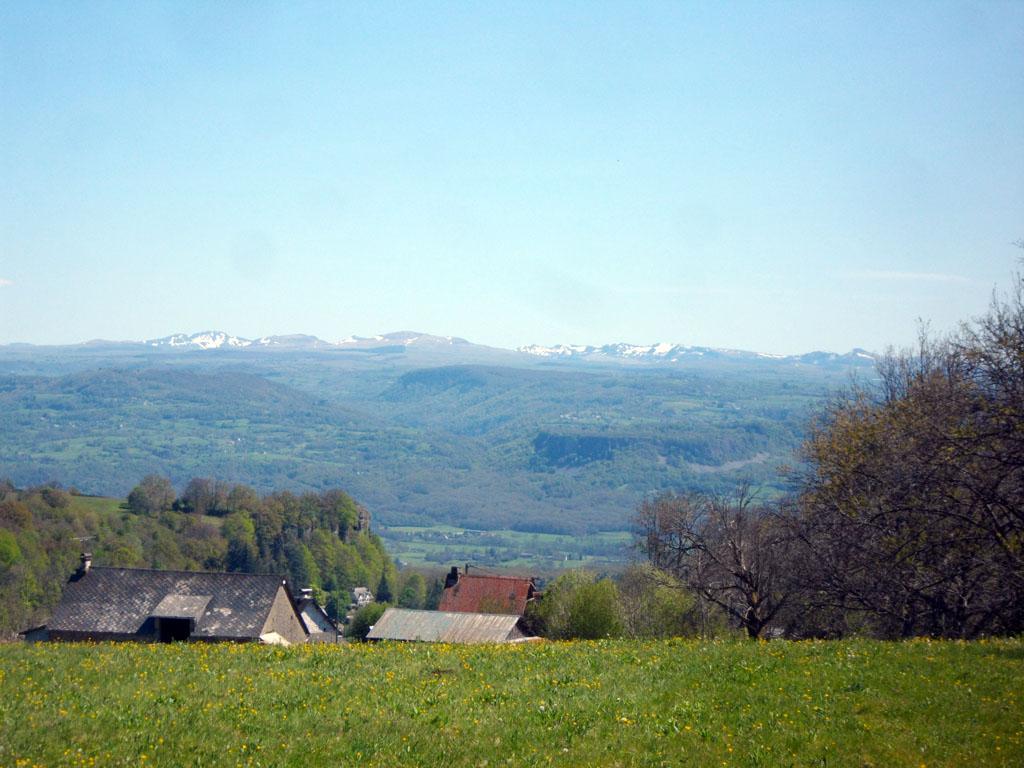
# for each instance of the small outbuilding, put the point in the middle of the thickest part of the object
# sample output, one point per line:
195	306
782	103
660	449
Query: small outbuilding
101	603
319	625
448	627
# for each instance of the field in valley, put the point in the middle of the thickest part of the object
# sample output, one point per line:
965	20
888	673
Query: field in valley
441	546
850	703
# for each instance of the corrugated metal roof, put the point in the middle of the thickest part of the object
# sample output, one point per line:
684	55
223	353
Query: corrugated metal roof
478	593
446	627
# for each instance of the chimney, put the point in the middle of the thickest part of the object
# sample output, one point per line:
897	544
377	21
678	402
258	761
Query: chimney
452	578
86	563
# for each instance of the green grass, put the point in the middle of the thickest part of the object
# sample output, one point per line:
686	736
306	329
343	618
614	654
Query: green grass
440	546
850	703
105	506
100	505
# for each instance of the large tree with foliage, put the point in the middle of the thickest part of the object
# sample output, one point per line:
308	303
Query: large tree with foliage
152	496
414	591
913	504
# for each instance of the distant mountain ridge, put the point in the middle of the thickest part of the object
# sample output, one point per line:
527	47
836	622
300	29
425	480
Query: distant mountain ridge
655	354
220	340
674	353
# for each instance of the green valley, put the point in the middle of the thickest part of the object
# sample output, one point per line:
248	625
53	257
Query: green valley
459	435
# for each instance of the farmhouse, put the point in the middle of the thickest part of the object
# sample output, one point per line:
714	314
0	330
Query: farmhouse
480	593
165	606
448	627
361	596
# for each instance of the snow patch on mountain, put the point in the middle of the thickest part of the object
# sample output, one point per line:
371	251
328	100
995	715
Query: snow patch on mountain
202	340
559	350
404	338
207	340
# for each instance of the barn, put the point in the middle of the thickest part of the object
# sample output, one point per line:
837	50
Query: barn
133	604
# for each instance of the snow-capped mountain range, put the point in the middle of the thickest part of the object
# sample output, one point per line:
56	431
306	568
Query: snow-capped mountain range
455	350
662	353
676	353
221	340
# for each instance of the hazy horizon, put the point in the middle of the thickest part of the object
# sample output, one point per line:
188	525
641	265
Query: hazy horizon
774	178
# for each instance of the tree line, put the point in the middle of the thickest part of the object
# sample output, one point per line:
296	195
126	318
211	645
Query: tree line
907	518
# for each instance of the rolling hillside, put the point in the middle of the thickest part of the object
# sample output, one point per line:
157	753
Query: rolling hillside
422	429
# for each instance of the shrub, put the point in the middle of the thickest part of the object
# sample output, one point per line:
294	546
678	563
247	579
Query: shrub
364	620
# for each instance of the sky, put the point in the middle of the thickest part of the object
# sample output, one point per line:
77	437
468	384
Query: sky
778	177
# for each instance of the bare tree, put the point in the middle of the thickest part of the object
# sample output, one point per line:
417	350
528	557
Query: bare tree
729	551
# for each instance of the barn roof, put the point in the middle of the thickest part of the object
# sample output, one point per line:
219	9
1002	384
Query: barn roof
478	593
119	601
446	627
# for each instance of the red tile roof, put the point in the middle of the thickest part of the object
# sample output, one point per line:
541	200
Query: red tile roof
487	594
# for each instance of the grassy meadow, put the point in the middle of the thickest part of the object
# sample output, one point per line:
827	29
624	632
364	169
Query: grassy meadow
850	703
439	546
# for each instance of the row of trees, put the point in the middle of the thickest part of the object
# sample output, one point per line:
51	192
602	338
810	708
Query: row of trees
908	518
318	540
332	510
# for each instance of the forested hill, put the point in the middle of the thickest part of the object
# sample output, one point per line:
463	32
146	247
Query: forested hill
453	433
316	540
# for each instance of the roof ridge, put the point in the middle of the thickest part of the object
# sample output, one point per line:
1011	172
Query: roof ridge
459	614
187	573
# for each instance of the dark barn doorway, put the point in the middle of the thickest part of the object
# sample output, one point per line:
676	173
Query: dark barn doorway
173	630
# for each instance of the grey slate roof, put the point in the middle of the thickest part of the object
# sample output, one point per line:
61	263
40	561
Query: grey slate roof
446	627
120	601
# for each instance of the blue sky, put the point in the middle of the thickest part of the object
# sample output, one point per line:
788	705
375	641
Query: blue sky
777	177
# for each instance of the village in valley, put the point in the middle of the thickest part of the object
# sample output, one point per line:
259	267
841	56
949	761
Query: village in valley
142	605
